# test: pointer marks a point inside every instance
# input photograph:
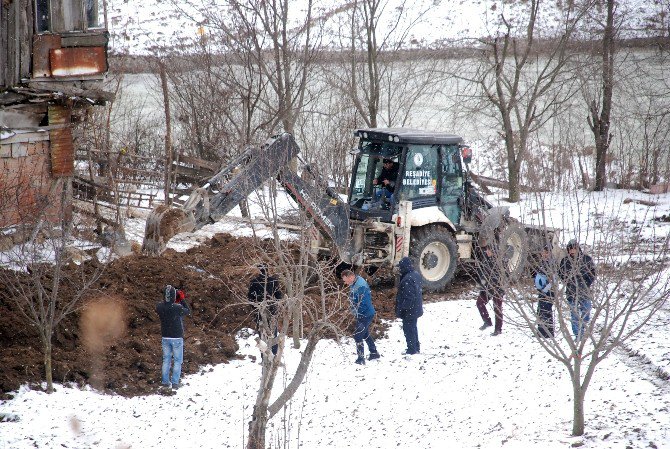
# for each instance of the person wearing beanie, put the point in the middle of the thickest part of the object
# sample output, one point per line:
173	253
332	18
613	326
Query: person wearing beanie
578	272
360	298
409	304
172	332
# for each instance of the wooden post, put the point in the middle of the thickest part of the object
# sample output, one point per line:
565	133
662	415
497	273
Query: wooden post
168	132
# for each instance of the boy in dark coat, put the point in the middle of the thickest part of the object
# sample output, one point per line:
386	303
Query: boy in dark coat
545	289
172	332
489	277
578	273
409	303
265	288
360	299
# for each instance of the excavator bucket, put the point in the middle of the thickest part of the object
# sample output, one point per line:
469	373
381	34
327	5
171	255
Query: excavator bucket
162	224
221	193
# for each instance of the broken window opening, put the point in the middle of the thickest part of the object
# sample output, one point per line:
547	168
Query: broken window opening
62	16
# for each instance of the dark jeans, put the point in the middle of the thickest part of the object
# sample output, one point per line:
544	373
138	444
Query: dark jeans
580	314
362	334
545	315
411	335
482	300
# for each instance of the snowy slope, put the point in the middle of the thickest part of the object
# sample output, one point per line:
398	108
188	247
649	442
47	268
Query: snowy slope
143	27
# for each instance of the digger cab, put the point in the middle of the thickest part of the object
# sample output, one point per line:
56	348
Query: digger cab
402	164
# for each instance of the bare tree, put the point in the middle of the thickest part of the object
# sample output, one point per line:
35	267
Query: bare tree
40	278
631	285
522	74
269	48
379	76
600	114
325	133
308	288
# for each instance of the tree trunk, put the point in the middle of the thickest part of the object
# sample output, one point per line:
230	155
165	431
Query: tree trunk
512	168
297	317
257	427
259	419
244	208
299	375
47	366
514	190
600	122
168	132
578	409
601	156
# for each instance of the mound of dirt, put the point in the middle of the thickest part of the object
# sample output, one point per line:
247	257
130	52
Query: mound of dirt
118	343
113	342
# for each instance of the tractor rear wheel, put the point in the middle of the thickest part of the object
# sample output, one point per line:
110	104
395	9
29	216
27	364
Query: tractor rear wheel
435	255
514	244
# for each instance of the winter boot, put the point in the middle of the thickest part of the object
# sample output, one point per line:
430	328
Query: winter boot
360	351
496	332
486	324
373	356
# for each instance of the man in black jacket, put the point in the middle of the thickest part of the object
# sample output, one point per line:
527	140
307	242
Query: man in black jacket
172	331
489	277
409	303
387	178
578	272
265	293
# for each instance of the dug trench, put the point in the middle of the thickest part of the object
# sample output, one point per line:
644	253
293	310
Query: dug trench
215	276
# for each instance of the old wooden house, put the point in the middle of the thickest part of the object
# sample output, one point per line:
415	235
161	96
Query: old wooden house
53	57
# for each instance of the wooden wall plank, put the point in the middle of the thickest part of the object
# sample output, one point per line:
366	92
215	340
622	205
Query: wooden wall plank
4	24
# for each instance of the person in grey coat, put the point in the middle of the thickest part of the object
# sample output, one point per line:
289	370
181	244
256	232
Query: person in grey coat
409	303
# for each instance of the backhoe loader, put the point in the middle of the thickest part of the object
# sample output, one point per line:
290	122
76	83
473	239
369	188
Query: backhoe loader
432	213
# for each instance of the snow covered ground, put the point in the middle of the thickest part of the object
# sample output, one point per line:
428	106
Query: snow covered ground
467	389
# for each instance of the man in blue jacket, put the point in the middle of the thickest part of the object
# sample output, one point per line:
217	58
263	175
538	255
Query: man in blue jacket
360	298
409	303
172	331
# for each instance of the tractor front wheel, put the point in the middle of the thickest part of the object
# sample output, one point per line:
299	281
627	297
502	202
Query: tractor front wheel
435	255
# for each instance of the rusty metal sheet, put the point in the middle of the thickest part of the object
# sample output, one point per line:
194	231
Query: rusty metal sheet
42	44
62	152
78	61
